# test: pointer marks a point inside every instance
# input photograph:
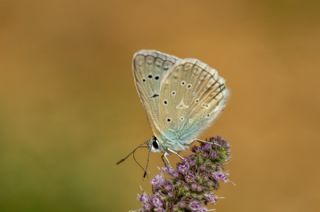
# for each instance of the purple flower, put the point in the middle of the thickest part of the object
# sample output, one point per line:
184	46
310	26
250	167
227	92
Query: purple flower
199	188
182	204
194	205
183	167
157	181
213	155
170	194
143	198
171	171
192	162
189	177
156	201
191	185
194	187
168	186
203	210
147	206
207	147
202	167
210	198
220	176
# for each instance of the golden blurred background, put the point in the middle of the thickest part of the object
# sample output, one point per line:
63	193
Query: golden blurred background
69	109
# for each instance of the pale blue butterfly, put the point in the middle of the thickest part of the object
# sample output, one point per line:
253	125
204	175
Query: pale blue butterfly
182	98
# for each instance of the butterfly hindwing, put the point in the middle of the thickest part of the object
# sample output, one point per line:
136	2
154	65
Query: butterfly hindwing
149	69
191	96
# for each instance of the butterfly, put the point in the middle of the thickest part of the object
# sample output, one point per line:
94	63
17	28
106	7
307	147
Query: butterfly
182	98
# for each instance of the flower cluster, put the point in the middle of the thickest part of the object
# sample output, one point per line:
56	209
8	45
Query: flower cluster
190	186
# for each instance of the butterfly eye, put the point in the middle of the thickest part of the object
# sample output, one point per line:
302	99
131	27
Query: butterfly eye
183	83
189	86
155	144
165	102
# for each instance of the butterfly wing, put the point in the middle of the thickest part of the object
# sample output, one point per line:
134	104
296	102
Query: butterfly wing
149	68
192	95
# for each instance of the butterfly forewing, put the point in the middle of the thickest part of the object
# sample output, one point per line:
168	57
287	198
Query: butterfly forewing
149	68
191	96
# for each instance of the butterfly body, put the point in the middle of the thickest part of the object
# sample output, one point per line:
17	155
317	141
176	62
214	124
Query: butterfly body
182	97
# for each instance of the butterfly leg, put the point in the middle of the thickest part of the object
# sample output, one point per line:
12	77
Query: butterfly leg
176	153
165	160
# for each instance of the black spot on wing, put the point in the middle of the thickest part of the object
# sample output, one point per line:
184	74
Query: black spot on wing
155	95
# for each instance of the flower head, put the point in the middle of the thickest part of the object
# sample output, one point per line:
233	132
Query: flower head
189	177
194	205
157	181
190	186
210	198
144	198
183	167
219	175
156	201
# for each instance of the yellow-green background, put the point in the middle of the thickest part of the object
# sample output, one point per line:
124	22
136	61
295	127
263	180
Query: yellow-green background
69	109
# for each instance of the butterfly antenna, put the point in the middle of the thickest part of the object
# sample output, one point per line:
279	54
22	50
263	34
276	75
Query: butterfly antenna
131	153
134	158
146	169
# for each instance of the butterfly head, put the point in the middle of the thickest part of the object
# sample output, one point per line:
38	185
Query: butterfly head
154	145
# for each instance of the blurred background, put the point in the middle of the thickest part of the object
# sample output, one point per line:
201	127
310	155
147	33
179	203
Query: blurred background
69	109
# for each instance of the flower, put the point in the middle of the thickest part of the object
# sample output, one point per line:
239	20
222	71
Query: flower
203	210
219	175
147	206
183	167
191	185
207	147
156	201
194	186
210	198
144	198
194	205
170	171
189	177
213	155
157	181
168	186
